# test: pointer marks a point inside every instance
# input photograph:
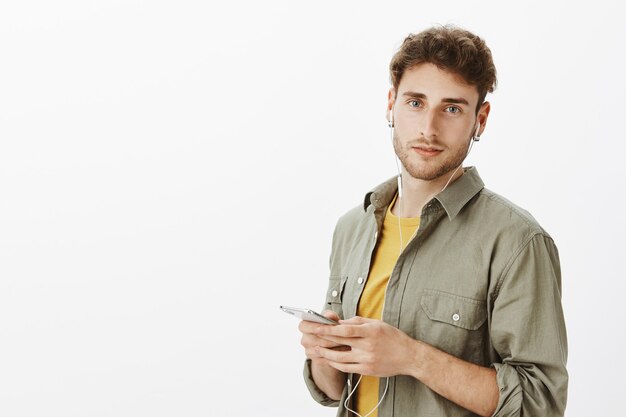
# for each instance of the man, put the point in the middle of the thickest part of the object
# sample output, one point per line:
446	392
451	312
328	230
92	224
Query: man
450	293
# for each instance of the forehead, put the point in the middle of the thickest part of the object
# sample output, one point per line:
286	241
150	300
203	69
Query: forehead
436	83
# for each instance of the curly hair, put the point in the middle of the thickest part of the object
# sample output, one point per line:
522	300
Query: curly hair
451	49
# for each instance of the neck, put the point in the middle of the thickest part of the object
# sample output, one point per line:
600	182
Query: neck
417	193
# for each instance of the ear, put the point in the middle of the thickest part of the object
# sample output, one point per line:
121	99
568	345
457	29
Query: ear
391	99
483	115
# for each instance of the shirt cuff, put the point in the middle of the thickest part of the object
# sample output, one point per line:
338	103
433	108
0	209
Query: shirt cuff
317	394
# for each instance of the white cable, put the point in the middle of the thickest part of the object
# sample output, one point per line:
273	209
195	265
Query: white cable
353	390
345	403
399	201
457	168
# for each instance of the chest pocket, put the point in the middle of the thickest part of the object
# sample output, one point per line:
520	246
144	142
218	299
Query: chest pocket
466	313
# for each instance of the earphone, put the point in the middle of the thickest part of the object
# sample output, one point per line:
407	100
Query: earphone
476	136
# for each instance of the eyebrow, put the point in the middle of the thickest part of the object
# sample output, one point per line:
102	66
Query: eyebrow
456	100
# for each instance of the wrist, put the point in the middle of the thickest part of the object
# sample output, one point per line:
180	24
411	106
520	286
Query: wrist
322	368
418	361
327	379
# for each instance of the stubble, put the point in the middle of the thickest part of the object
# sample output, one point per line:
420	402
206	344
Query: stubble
428	169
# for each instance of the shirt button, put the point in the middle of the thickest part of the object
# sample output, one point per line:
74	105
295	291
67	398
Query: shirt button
334	293
360	280
455	317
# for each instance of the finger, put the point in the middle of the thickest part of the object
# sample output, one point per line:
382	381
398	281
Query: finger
349	368
308	340
332	355
310	327
331	315
312	353
341	330
342	341
357	320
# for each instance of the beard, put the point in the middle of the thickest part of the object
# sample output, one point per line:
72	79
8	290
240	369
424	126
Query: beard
431	168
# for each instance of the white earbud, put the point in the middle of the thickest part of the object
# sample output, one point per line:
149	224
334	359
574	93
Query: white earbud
391	118
476	137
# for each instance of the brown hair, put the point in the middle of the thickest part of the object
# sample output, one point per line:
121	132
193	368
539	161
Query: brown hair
449	48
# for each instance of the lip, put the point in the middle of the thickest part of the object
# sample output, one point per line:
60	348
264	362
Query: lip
426	151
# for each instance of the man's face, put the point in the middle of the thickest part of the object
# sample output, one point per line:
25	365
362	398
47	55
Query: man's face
434	118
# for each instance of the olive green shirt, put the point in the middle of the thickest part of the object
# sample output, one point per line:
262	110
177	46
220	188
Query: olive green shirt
480	280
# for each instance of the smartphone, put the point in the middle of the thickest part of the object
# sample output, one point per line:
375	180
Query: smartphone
307	314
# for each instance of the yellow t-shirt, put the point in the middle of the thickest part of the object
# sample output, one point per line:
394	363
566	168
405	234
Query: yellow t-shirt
373	296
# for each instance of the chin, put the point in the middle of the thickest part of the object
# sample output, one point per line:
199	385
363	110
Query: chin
429	174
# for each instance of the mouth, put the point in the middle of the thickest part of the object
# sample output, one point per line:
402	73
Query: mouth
426	150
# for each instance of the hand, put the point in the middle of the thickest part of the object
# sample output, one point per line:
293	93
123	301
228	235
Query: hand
311	341
328	379
376	348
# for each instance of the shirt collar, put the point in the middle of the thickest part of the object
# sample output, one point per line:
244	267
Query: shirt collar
452	199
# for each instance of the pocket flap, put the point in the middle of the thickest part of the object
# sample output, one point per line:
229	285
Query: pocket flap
335	289
453	309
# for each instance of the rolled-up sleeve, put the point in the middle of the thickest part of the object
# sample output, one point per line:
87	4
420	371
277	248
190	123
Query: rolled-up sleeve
317	394
528	331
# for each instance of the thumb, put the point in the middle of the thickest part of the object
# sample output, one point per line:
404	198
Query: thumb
329	314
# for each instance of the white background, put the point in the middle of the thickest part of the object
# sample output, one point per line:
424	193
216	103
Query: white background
171	172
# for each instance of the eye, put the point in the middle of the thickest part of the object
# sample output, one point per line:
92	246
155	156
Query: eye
415	103
453	109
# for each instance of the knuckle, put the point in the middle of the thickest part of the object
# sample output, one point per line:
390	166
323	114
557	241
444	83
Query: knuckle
311	352
302	326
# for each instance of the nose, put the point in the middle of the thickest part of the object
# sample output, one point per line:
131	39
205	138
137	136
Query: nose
429	125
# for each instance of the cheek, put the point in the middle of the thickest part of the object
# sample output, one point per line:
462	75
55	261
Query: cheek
457	127
409	118
407	125
461	129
